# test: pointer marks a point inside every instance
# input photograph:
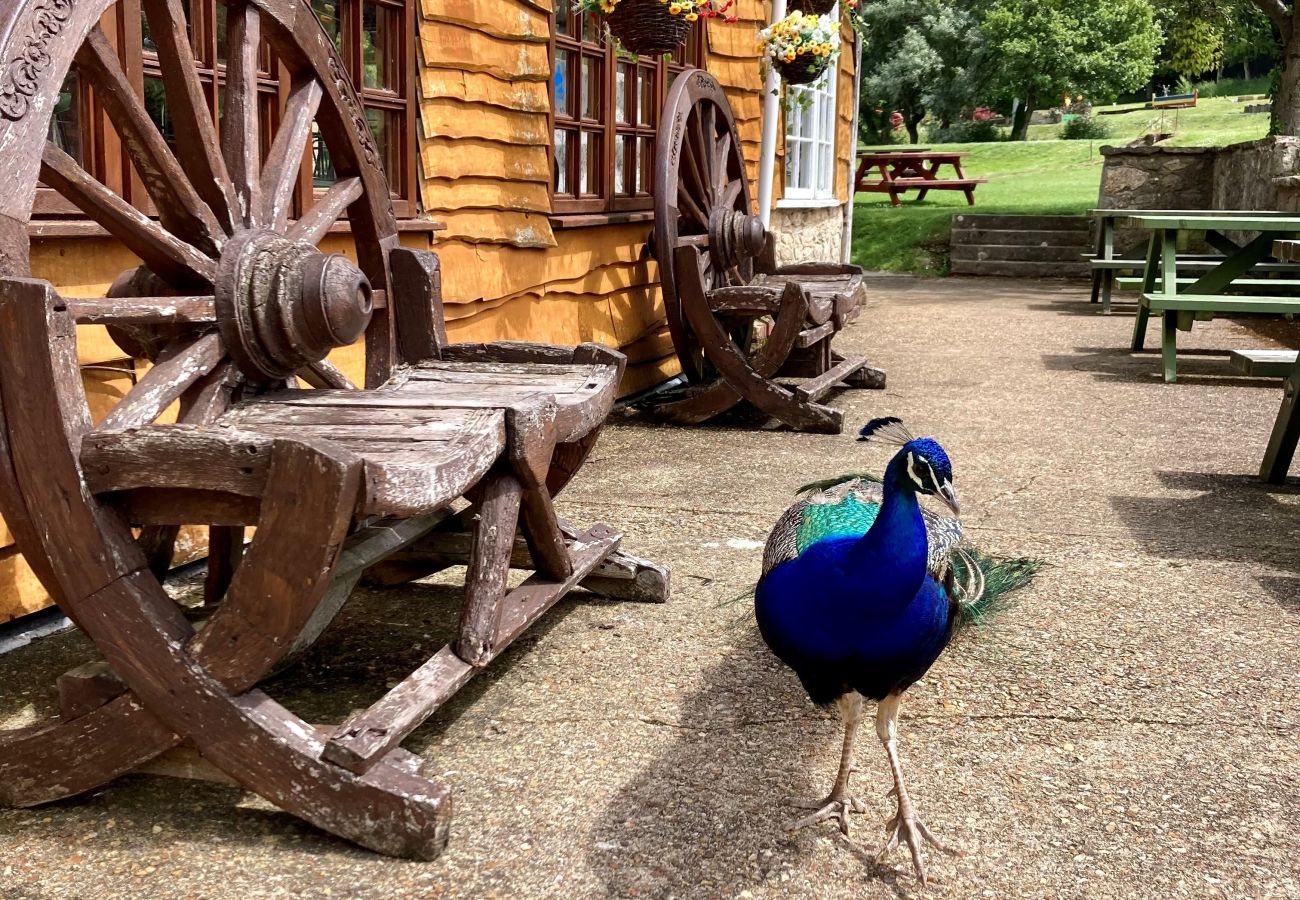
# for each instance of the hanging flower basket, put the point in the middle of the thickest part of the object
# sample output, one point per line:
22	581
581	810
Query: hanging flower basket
802	69
800	46
654	27
647	27
812	7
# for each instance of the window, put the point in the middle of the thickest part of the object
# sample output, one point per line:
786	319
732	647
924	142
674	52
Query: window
374	38
810	121
605	108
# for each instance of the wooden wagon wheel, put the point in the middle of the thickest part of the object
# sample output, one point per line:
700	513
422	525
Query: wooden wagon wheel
231	297
701	200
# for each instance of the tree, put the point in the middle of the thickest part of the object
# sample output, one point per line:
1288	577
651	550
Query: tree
917	57
1038	50
1286	99
1203	35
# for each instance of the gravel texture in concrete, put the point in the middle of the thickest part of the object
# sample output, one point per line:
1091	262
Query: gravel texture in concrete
1129	729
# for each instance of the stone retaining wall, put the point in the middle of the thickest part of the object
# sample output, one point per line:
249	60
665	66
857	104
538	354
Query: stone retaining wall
808	235
1240	176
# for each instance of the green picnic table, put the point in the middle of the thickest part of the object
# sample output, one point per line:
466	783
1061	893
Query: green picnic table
1107	263
1180	304
1286	430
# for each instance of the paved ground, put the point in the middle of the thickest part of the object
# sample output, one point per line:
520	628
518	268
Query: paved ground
1129	730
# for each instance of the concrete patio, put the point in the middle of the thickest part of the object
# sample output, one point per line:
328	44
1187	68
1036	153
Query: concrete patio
1130	729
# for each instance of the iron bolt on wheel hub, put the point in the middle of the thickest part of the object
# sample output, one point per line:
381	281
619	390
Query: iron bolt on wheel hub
284	305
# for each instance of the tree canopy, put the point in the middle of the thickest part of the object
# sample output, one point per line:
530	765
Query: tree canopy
1040	49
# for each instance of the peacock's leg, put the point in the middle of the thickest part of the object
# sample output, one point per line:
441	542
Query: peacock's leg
905	824
838	804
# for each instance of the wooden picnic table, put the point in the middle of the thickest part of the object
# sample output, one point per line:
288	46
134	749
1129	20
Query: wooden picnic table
1183	303
1286	430
897	171
1106	264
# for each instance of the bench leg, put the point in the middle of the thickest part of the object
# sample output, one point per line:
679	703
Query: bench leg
1096	286
1286	433
1140	326
1169	345
970	197
1107	288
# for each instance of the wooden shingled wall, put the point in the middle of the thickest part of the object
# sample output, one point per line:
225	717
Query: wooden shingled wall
507	272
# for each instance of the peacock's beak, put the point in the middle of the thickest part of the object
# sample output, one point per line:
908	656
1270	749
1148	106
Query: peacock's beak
949	496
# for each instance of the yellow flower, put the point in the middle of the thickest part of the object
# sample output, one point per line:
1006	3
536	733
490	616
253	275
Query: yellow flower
691	17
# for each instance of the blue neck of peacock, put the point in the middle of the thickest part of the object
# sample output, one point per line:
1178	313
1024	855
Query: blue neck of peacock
894	549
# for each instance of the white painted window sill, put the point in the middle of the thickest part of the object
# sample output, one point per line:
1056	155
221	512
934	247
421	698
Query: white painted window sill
807	203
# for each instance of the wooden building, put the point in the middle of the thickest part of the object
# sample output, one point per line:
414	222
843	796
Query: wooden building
518	143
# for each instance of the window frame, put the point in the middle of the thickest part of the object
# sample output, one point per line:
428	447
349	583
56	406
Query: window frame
607	204
101	151
823	114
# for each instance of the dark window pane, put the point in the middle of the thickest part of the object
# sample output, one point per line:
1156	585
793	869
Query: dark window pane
645	160
563	24
322	169
380	37
591	88
645	104
590	164
620	94
155	101
384	125
221	33
65	124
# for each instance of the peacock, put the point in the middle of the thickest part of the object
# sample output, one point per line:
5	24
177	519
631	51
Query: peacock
862	589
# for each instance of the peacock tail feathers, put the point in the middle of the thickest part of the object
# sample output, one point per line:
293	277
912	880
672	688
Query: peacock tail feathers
980	583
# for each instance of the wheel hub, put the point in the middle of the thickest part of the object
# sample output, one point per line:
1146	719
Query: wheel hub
735	236
283	304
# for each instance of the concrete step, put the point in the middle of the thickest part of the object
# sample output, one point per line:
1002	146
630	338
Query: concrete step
1015	253
1077	240
1019	269
1022	223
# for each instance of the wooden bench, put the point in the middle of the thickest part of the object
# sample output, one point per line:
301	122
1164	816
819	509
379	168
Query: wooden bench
452	455
720	282
1264	363
1179	311
1175	101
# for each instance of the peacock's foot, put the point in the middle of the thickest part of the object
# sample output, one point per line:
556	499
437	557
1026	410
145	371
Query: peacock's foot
833	807
906	828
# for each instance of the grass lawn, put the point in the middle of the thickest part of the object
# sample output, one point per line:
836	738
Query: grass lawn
1041	175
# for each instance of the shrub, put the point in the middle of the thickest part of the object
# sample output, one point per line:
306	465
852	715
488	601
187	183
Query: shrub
965	133
1084	129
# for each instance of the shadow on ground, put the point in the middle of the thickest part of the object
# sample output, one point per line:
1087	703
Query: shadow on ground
685	824
1228	518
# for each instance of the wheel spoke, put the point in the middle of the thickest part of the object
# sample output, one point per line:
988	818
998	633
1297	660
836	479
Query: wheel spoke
196	136
721	155
316	223
179	366
240	144
701	137
162	252
180	208
696	185
730	193
280	175
688	204
139	311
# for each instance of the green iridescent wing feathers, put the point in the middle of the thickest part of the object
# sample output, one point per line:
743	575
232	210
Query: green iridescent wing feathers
848	505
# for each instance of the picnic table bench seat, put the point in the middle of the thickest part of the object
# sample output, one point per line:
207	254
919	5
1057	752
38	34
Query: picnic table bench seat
895	172
449	455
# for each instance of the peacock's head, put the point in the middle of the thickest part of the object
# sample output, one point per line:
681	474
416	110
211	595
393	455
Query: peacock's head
921	461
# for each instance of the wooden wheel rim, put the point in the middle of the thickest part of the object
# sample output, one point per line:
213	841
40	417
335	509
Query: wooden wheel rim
696	117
